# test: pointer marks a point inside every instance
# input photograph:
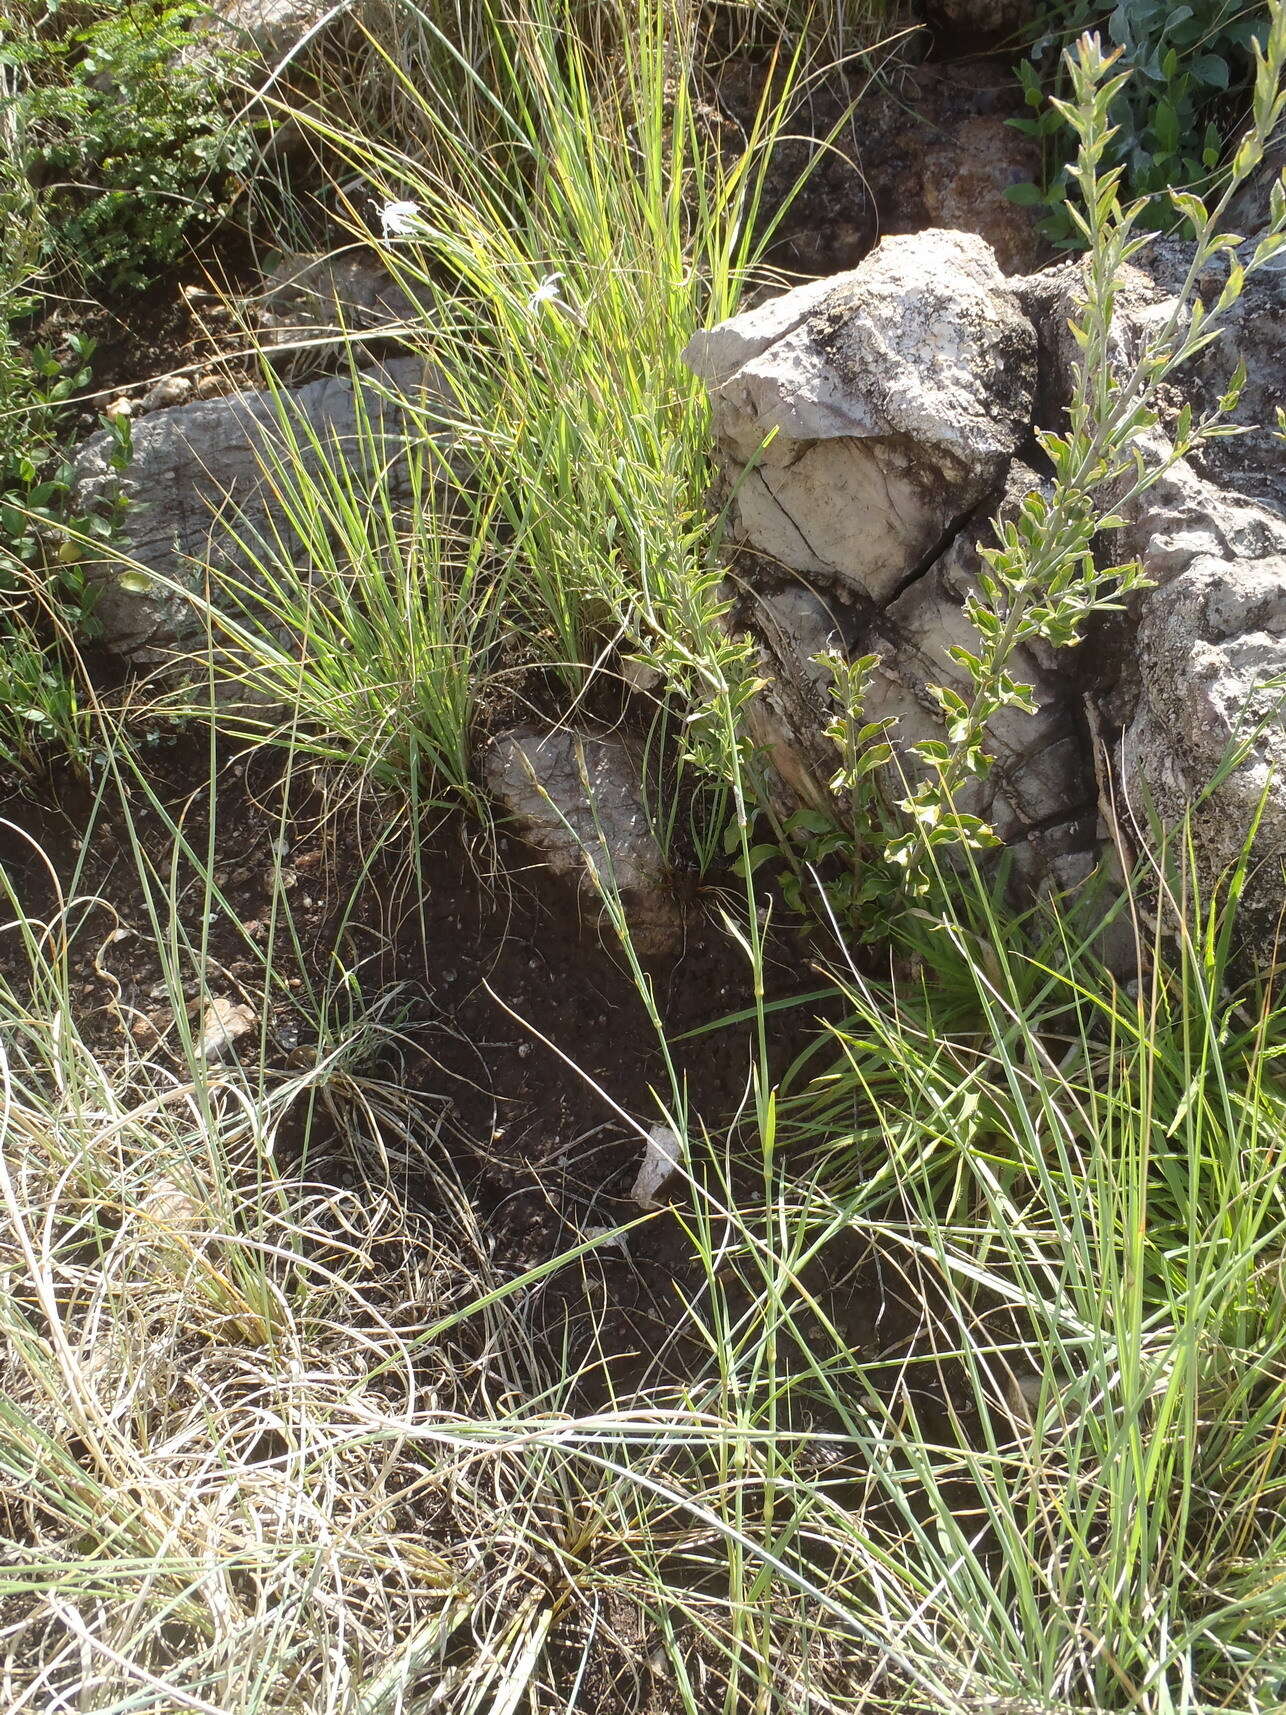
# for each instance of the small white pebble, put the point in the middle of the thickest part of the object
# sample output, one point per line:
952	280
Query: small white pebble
610	1239
224	1023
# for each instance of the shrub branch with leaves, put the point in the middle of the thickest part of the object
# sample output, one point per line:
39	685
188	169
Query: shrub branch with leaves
122	129
1042	579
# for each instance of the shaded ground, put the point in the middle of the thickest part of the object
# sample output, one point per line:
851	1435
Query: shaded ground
511	1013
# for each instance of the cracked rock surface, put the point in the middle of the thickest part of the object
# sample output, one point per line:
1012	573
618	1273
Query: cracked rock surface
1212	669
904	396
861	418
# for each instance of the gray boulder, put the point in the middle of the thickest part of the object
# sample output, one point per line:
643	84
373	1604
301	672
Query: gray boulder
267	30
1202	655
1207	731
862	418
900	394
324	296
201	492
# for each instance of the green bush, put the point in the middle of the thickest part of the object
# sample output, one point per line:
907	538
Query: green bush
45	600
1191	67
123	130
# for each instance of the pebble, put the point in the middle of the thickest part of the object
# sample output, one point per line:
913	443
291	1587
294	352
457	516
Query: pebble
661	1158
169	390
225	1022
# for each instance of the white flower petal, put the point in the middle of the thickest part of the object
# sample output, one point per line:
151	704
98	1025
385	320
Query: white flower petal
547	292
400	219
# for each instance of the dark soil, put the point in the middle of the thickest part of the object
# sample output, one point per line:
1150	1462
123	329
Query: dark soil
186	323
512	1013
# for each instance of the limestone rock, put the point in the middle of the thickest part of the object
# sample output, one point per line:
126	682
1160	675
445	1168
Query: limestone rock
315	294
576	797
1253	462
786	720
267	30
894	397
966	175
199	494
900	394
223	1025
1211	655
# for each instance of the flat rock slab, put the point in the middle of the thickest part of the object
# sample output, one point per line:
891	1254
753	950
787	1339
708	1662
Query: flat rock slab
322	293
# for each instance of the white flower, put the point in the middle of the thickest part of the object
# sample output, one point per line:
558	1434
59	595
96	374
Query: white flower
550	291
400	219
546	293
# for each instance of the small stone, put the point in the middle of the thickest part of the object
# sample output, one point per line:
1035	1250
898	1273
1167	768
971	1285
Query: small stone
607	1238
167	1206
224	1024
576	797
661	1157
643	680
169	390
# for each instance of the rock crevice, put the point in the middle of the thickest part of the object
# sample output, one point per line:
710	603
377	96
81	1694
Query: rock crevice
889	412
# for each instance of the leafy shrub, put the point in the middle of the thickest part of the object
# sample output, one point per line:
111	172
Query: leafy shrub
1191	66
37	700
123	130
45	599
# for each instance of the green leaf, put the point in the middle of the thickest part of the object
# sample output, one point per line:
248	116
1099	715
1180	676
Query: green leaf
1165	128
1025	195
1190	207
1231	397
1211	70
